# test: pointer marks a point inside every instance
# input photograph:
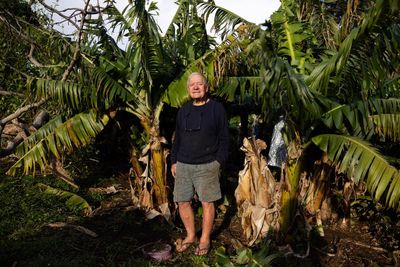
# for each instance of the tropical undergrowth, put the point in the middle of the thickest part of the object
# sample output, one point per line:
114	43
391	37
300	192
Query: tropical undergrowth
27	240
383	223
25	208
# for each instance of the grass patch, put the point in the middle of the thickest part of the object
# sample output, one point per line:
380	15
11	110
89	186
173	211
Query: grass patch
25	208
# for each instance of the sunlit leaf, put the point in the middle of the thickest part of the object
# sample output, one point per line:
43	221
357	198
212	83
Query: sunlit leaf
362	162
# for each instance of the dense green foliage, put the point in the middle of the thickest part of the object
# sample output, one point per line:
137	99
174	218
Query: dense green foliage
332	92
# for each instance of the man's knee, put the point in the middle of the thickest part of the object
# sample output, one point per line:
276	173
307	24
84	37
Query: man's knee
207	205
184	204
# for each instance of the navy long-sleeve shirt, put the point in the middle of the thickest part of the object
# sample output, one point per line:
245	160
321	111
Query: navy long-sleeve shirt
201	134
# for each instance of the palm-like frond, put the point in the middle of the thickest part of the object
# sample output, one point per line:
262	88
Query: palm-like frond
145	49
243	85
66	93
73	201
100	42
42	132
321	76
362	162
118	22
291	34
225	21
109	89
374	61
144	57
186	38
101	92
387	126
355	119
55	138
283	90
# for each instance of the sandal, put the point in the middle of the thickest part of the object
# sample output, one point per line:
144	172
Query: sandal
202	251
181	246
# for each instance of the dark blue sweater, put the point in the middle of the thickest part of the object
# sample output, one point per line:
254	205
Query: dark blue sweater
201	134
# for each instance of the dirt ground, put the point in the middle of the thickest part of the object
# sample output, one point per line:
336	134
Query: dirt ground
117	232
351	246
121	231
342	244
354	243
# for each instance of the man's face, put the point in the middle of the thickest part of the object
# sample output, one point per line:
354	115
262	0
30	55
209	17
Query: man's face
197	88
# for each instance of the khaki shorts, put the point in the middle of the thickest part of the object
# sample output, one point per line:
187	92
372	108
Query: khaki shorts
200	178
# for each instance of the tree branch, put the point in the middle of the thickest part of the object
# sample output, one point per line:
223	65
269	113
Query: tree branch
12	27
66	73
62	14
32	59
8	93
78	43
26	108
20	111
23	132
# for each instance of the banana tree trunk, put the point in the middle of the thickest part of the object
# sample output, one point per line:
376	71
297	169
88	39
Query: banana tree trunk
156	162
289	189
316	190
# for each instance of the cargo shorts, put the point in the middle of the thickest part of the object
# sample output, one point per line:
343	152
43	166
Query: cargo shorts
200	178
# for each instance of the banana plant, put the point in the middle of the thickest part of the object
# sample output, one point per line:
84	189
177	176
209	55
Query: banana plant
338	96
138	80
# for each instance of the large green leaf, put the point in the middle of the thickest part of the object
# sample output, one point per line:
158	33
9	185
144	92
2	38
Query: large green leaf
110	89
362	162
66	93
332	68
243	85
55	138
292	35
176	94
283	90
363	118
387	126
73	201
225	21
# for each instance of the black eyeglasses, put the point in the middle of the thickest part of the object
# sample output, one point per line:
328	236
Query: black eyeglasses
192	126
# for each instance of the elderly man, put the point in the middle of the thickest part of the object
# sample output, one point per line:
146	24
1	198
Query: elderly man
198	151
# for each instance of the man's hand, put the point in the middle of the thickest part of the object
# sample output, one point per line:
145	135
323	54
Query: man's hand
173	169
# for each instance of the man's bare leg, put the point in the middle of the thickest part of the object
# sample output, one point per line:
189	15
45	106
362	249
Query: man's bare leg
187	217
207	227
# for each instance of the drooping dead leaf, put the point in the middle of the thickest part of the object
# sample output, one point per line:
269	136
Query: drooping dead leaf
164	211
256	193
145	199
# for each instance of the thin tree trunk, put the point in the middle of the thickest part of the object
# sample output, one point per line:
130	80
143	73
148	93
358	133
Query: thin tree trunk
160	181
157	162
290	183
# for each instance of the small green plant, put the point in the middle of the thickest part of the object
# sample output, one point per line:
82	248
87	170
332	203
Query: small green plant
263	255
72	200
200	261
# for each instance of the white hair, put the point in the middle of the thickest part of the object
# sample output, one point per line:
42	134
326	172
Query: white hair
197	74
